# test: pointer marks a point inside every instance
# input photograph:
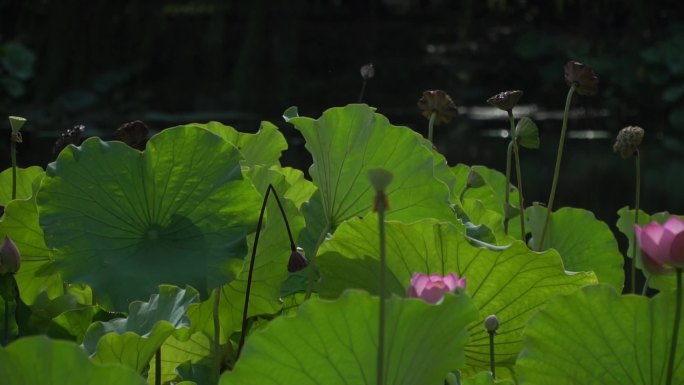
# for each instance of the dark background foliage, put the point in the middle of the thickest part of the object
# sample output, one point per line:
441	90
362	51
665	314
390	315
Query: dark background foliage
102	63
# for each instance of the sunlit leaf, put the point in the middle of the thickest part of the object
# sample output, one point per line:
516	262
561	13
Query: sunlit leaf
25	178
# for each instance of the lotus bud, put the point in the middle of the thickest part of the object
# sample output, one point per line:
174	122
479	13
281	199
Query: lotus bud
662	246
438	102
628	141
505	100
432	288
367	71
10	258
475	180
491	323
297	260
133	134
582	76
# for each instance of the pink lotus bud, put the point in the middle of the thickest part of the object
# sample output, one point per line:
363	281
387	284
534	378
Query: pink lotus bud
662	246
431	288
10	259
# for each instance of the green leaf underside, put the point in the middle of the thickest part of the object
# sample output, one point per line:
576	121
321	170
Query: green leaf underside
595	336
132	341
60	362
584	242
25	178
512	283
335	342
625	224
124	221
37	272
348	141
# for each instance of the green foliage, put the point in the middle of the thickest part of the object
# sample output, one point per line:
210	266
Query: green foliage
595	336
124	221
39	360
513	283
335	342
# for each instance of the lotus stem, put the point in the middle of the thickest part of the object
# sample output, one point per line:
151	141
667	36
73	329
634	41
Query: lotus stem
492	364
269	189
636	219
675	331
380	206
363	90
157	367
518	173
509	155
13	156
556	172
312	263
431	125
217	332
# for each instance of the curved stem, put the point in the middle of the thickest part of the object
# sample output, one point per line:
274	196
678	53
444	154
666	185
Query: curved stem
431	124
492	366
675	331
462	195
556	171
269	189
644	289
380	204
507	198
636	220
518	174
217	333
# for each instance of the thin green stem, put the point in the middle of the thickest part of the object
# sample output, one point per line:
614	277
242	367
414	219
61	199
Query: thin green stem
363	90
509	153
492	365
217	333
644	288
675	330
462	195
13	155
5	327
518	174
157	367
556	171
431	125
636	219
380	204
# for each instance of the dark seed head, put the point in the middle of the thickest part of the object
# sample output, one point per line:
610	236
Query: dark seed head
297	260
438	102
367	71
505	100
582	76
133	134
628	141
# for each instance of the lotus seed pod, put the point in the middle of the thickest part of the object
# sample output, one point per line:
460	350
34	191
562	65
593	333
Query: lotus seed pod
133	134
10	258
582	76
367	71
438	102
628	141
297	260
505	100
491	323
16	122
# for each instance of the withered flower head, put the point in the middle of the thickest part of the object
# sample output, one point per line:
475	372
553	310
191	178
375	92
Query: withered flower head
297	260
440	103
505	100
628	141
133	134
582	76
368	71
70	136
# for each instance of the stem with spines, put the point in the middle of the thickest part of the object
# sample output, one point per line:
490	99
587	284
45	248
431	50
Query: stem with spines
518	173
636	219
507	194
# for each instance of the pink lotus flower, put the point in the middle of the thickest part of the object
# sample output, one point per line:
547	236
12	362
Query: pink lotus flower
431	288
662	246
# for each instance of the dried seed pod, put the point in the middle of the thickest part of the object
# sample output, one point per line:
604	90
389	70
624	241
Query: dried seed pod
628	141
582	76
133	134
367	71
438	102
505	100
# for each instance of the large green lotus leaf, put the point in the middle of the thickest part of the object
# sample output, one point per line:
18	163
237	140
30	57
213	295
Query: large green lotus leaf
262	148
270	266
335	342
25	178
584	242
39	360
133	341
626	226
125	221
348	141
492	194
513	283
174	352
37	273
597	337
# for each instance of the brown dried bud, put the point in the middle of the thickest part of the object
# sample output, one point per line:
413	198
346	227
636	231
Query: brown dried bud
440	103
133	134
297	260
505	100
10	258
582	76
628	141
367	71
